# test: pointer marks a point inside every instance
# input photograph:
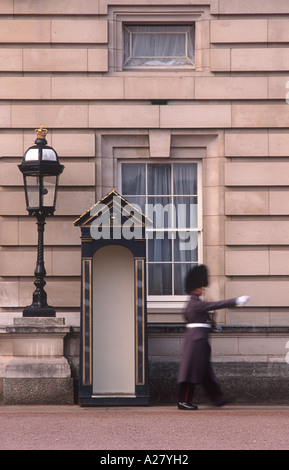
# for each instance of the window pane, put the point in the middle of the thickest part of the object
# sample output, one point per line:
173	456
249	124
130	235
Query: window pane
159	28
185	178
159	247
180	271
159	179
137	202
32	184
49	154
186	246
160	279
158	45
186	209
48	190
133	178
161	212
126	45
191	44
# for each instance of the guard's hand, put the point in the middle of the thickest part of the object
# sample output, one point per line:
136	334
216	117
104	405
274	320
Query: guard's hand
240	301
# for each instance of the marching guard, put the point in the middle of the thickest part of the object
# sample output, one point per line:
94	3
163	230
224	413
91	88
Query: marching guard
195	366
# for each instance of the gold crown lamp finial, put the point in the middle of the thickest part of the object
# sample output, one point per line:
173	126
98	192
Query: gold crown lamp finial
41	132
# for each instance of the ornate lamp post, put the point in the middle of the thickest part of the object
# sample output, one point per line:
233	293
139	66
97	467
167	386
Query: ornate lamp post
40	168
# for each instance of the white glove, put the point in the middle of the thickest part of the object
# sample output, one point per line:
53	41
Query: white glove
240	301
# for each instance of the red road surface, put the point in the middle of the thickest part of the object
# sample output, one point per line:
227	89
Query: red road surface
147	428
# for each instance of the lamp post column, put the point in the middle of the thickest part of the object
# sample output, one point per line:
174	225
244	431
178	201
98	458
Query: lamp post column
39	305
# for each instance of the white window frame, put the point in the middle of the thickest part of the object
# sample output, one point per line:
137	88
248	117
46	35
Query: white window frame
199	229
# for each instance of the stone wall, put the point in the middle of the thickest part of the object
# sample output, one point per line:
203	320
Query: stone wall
37	367
251	363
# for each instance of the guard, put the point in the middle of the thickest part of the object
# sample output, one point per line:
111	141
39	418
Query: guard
195	366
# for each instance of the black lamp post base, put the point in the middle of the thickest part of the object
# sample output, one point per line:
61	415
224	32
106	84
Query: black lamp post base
39	312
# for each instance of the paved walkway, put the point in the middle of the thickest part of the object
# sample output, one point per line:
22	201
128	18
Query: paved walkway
144	428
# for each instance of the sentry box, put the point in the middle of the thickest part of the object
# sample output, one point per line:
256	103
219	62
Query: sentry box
113	337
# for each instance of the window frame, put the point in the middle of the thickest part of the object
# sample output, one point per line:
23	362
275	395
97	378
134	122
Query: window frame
190	61
177	14
199	229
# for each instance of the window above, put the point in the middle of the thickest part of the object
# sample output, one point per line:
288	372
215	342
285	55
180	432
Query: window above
158	45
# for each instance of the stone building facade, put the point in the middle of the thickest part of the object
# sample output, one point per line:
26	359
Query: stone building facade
108	101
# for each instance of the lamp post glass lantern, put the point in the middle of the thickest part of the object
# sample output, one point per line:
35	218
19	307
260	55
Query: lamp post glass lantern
41	169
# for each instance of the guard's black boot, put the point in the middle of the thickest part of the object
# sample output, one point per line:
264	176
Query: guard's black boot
185	406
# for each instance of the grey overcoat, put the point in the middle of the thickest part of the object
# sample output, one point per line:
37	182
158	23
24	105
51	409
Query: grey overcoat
195	366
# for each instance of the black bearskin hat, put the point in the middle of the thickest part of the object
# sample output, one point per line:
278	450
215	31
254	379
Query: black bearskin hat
196	278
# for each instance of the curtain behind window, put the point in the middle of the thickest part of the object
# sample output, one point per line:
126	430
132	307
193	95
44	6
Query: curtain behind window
158	45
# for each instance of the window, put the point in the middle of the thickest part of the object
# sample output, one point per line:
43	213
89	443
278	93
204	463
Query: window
158	45
168	194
